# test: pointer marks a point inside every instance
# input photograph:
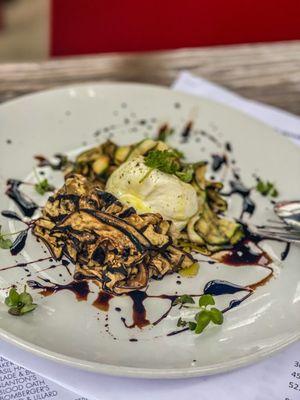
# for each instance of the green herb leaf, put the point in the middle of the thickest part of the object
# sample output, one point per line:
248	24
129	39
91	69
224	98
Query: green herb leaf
216	316
19	303
27	308
192	326
184	299
25	298
166	161
146	175
204	315
13	298
206	300
177	153
266	188
186	174
203	319
274	192
43	186
5	243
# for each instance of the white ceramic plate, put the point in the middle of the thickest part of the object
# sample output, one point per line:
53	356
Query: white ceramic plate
74	332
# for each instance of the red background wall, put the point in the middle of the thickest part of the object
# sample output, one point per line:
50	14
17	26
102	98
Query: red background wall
92	26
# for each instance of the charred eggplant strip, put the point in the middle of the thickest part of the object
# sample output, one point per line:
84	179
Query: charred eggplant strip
127	212
107	198
137	238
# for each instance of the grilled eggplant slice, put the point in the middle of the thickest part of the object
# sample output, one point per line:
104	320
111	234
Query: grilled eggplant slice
109	243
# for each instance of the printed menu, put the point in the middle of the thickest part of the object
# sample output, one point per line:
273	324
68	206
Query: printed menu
17	383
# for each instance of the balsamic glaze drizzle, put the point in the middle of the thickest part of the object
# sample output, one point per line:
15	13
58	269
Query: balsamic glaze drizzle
186	132
45	162
24	264
228	147
11	215
138	310
220	287
19	243
242	254
79	288
28	207
237	187
102	301
218	161
286	251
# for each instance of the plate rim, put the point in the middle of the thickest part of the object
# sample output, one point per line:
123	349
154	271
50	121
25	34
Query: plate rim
148	373
82	85
138	372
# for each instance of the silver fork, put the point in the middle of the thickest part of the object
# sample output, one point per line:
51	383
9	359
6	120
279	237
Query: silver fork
279	231
289	229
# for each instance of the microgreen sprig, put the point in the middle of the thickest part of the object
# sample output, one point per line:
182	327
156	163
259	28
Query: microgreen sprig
169	161
19	303
42	186
184	299
5	241
204	316
166	161
186	174
266	188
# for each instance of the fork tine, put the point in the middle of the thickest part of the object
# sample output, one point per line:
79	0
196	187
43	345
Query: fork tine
278	236
279	228
282	232
282	236
275	221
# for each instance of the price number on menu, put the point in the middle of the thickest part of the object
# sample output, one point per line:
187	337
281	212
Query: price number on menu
294	385
295	375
